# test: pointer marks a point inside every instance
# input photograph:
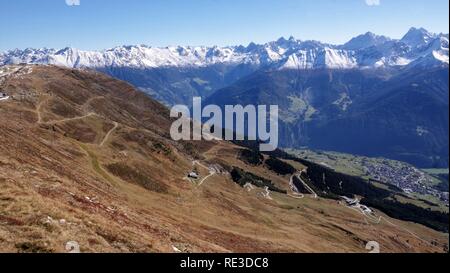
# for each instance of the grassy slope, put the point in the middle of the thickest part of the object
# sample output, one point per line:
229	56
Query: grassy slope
47	175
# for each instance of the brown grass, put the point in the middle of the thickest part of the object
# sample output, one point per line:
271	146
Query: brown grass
133	175
100	191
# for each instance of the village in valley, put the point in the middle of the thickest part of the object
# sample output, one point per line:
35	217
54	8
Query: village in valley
405	177
400	174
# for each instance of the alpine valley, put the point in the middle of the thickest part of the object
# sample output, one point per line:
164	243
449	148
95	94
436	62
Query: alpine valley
373	96
87	163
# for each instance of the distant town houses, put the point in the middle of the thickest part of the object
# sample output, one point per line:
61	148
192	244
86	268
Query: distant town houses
402	175
405	177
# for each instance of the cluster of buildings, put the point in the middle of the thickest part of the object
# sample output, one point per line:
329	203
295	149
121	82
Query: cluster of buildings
405	177
354	203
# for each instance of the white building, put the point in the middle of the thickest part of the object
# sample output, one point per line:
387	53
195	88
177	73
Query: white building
3	96
350	201
193	175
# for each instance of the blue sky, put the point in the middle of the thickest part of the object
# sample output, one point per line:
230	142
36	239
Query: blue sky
99	24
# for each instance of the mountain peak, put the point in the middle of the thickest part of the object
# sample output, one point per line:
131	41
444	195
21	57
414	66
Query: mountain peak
418	30
369	34
365	40
281	40
417	37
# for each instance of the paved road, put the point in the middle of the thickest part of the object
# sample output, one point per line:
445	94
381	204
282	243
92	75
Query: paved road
295	193
306	185
266	193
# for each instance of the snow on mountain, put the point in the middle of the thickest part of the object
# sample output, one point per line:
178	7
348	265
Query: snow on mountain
417	37
26	56
441	53
320	58
339	59
364	51
364	41
435	53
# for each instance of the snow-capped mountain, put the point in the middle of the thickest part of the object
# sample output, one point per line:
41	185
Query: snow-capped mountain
365	51
364	41
418	37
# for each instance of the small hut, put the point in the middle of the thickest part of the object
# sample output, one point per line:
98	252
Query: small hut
3	96
193	175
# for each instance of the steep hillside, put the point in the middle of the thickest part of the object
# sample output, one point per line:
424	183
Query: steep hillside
174	85
87	158
400	115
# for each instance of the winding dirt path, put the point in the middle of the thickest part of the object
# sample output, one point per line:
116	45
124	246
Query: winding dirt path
211	172
86	105
74	118
105	139
204	179
38	110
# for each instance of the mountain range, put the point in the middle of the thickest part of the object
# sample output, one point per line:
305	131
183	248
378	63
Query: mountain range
174	75
418	46
372	96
